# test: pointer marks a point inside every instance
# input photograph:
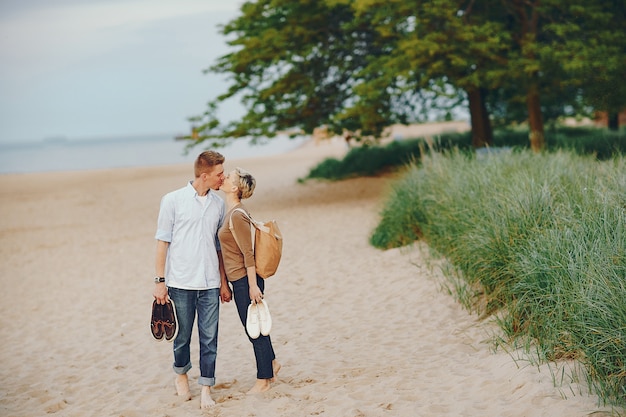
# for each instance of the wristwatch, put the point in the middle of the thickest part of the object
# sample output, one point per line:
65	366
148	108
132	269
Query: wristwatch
159	279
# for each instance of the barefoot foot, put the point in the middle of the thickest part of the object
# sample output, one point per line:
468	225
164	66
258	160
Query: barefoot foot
182	387
261	385
205	398
276	368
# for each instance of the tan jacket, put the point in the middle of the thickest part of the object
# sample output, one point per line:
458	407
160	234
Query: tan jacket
236	259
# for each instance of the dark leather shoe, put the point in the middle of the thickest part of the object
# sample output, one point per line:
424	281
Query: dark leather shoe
156	321
170	321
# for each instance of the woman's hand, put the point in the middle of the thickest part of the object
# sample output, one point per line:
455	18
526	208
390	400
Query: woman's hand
255	294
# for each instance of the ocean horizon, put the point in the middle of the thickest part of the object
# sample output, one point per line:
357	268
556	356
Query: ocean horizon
61	154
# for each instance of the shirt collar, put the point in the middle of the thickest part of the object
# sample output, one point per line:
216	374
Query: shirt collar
192	191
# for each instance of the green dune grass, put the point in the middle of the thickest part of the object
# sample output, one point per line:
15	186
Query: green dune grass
538	239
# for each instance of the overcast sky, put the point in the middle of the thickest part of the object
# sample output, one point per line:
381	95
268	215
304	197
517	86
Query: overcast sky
94	68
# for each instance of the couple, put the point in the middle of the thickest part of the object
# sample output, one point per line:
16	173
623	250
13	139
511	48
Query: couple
196	257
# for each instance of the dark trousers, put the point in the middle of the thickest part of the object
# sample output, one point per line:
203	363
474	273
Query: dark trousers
263	350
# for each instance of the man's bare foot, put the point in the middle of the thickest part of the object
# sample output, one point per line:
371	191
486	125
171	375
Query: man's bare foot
261	385
205	397
276	368
182	387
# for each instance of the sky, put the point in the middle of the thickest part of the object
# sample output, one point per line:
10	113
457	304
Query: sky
108	68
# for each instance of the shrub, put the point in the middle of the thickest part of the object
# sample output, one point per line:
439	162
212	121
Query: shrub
376	159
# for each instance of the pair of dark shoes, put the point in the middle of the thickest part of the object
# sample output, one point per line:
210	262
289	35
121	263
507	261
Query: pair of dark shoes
164	324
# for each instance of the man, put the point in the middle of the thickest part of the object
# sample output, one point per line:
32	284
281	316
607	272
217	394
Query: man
190	271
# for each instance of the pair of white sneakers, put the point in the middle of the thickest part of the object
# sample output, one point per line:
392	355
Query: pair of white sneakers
259	321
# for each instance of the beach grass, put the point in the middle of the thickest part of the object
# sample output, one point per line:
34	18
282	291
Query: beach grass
539	241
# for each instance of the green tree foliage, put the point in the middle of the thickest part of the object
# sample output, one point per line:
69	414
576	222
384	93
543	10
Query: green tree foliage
564	55
443	49
592	49
292	67
362	65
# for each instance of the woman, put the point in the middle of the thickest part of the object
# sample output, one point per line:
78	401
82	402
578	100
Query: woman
238	257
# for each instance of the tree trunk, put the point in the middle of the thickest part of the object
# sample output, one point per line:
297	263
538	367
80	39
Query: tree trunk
535	120
613	120
482	134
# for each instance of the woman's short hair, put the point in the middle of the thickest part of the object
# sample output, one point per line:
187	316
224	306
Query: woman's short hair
245	184
206	161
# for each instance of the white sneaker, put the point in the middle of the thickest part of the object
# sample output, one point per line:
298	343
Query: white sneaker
265	319
252	321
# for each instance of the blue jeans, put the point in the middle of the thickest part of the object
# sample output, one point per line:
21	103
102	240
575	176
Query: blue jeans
263	350
206	303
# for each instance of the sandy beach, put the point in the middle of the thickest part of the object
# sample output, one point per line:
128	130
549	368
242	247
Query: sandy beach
360	332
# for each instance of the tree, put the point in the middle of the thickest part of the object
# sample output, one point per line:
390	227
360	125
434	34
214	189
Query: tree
362	65
437	46
566	50
358	66
593	49
292	67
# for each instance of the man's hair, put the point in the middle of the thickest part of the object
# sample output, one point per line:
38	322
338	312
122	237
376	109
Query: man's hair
206	161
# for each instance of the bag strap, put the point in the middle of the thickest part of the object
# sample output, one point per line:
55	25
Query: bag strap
252	230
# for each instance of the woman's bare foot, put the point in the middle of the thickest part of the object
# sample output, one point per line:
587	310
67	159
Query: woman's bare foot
276	368
182	387
261	385
205	397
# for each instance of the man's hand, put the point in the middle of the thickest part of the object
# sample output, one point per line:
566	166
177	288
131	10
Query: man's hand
160	293
225	294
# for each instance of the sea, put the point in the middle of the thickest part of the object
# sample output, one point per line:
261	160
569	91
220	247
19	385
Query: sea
62	154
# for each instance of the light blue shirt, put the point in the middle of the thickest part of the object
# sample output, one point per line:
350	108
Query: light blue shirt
190	226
